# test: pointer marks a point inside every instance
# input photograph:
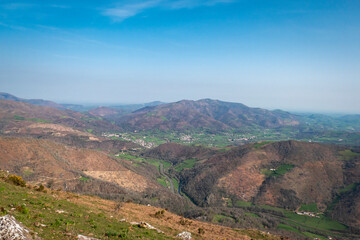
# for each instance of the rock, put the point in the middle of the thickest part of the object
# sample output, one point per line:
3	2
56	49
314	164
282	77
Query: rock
82	237
184	235
148	226
10	229
37	224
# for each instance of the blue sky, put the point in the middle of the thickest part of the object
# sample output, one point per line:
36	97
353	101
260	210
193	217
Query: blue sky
293	55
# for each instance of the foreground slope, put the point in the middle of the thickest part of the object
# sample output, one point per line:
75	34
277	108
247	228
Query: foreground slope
59	215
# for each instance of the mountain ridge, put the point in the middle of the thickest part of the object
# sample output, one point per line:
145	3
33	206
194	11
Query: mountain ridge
205	113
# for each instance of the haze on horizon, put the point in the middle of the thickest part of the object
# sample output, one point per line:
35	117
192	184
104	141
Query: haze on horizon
291	55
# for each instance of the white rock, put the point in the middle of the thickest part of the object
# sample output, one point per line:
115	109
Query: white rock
148	226
10	229
184	235
82	237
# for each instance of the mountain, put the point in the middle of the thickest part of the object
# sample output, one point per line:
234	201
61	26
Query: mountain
205	114
40	102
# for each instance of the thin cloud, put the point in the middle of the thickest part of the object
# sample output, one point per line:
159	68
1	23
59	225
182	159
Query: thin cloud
122	12
14	27
16	6
129	10
195	3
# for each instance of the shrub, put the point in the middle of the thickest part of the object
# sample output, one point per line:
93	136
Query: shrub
185	222
3	210
19	181
160	214
41	188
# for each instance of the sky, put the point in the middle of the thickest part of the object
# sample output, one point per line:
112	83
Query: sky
294	55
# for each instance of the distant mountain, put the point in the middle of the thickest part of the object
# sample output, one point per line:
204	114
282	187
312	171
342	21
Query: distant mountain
114	113
106	112
205	114
40	102
134	107
24	118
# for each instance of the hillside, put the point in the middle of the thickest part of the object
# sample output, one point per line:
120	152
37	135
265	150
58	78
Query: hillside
52	214
205	114
24	118
85	171
286	174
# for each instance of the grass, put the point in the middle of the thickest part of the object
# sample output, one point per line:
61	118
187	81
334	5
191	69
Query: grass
348	188
228	202
243	204
249	214
189	163
281	170
31	207
348	155
221	218
84	179
20	118
314	236
260	144
322	222
312	207
162	181
176	184
155	162
287	228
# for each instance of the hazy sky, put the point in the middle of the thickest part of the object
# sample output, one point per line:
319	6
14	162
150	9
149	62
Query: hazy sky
293	55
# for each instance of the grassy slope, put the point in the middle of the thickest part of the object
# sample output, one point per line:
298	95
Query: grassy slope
92	216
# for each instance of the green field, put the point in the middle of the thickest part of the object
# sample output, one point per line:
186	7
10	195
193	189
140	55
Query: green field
162	181
243	204
16	117
281	170
348	155
260	144
186	164
309	208
322	222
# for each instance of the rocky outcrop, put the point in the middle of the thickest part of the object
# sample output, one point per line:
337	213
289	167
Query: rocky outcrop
184	235
10	229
